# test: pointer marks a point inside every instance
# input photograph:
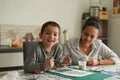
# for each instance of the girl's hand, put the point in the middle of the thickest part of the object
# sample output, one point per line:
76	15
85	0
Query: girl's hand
49	63
92	62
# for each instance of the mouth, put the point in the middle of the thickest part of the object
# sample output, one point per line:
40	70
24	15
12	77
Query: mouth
51	41
86	41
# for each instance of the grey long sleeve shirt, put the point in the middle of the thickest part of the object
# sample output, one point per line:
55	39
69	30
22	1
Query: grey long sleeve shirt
38	54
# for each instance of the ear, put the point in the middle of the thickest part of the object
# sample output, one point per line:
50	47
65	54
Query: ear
40	35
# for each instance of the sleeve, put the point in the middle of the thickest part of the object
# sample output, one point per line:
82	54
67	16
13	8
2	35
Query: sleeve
59	55
31	61
66	49
107	53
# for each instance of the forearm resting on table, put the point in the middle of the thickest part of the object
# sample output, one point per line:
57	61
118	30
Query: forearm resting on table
106	62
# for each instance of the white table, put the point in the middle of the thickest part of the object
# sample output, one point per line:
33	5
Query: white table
20	75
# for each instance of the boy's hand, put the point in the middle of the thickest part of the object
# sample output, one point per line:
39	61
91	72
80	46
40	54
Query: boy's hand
67	60
37	71
49	63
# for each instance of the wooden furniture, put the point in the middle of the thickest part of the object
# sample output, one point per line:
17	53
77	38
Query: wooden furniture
104	31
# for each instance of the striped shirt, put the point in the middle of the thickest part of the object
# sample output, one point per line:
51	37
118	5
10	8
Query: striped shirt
99	50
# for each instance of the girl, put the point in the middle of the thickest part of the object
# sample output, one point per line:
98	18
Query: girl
89	47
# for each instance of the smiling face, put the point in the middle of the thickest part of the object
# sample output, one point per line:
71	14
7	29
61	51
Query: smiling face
50	36
89	35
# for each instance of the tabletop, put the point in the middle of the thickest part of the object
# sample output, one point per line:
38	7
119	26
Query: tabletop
92	73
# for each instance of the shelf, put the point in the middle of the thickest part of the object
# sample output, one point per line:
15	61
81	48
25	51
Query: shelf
5	48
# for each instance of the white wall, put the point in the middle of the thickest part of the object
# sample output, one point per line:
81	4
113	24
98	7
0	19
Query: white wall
67	13
114	37
114	28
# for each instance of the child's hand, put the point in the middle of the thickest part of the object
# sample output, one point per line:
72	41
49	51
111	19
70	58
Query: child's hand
67	60
49	63
37	71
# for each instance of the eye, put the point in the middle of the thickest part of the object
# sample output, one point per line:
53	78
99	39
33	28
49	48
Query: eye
86	34
55	34
92	36
47	33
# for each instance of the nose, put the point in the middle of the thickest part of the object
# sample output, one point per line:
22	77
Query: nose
51	36
88	37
